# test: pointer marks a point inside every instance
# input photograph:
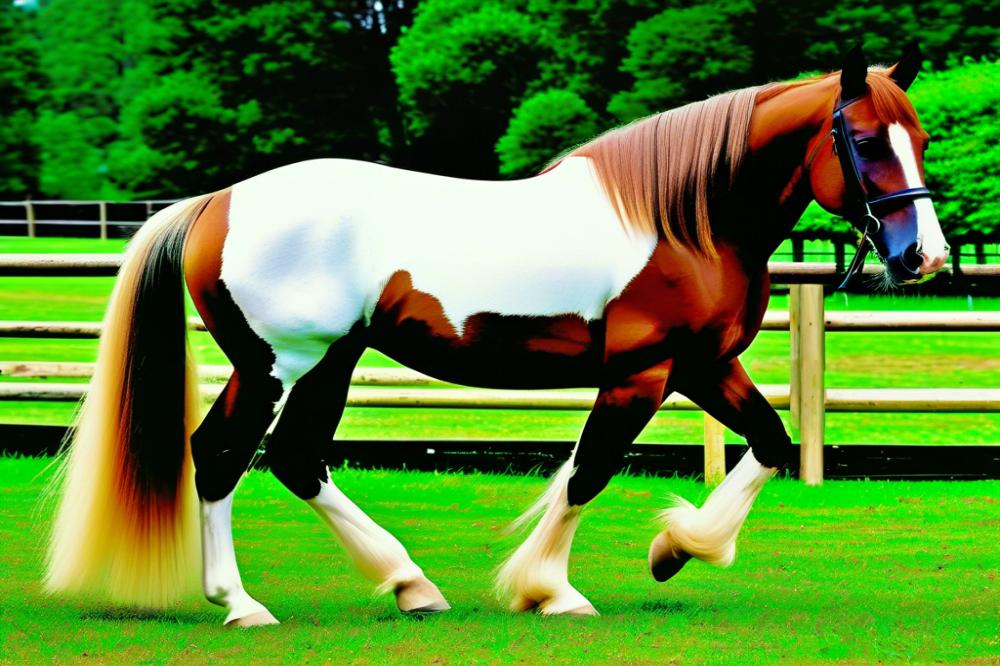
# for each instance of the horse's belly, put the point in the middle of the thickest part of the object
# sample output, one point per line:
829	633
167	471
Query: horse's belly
488	349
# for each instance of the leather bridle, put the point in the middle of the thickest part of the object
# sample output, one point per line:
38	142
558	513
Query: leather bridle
860	209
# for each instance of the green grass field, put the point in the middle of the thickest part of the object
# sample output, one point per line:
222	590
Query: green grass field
866	360
852	572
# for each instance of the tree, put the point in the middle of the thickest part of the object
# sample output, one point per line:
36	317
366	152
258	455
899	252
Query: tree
544	125
19	80
462	68
267	84
685	54
94	57
958	108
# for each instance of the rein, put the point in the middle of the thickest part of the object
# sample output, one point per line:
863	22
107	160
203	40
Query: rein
860	206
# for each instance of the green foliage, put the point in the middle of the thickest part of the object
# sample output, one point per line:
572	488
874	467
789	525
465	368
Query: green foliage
684	54
462	68
19	77
95	55
958	108
170	97
544	125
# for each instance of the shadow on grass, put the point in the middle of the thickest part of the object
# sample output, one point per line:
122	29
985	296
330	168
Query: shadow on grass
663	607
143	615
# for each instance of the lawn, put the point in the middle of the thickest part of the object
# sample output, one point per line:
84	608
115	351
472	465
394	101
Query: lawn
852	572
864	360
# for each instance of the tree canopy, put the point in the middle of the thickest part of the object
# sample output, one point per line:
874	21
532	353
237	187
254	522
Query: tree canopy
127	98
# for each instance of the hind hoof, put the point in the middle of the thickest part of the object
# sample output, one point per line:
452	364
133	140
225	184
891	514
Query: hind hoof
253	620
420	596
664	561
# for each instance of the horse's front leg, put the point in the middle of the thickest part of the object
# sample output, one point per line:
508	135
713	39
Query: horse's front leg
709	533
536	575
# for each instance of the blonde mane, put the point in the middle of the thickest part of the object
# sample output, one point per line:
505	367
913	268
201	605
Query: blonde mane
659	172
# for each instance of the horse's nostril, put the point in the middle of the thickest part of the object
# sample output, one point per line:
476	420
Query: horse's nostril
912	259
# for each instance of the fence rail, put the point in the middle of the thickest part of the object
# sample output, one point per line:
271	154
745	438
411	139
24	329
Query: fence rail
806	396
782	272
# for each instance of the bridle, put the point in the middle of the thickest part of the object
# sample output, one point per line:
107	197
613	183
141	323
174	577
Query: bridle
860	209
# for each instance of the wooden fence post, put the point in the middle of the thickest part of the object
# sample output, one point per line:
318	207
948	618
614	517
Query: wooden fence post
795	358
715	451
812	391
103	209
29	216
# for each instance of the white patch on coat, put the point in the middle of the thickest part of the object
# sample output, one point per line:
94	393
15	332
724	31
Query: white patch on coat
930	238
311	246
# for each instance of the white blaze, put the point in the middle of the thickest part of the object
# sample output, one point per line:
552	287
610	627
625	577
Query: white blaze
930	239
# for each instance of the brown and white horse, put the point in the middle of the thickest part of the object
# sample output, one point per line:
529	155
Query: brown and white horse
637	264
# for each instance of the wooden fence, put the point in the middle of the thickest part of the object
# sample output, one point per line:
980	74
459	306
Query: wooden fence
66	217
806	396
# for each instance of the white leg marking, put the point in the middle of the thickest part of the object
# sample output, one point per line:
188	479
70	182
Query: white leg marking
709	533
377	554
930	239
537	574
220	575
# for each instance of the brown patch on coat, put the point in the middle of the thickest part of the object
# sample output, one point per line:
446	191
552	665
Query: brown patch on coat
493	350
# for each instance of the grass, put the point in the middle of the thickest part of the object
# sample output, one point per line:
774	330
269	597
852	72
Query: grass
852	572
861	360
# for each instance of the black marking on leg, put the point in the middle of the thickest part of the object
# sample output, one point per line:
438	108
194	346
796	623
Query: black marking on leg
610	429
726	392
298	449
224	444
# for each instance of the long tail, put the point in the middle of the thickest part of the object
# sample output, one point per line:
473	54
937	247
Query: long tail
126	526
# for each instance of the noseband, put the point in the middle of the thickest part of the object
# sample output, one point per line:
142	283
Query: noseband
860	209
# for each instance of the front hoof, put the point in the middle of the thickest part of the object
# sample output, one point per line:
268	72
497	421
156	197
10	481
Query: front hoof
585	610
567	602
664	560
253	620
420	596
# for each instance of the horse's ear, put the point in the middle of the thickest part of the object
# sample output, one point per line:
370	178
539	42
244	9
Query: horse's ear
904	71
854	73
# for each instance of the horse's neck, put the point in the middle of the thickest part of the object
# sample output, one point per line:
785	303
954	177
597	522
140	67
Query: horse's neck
776	184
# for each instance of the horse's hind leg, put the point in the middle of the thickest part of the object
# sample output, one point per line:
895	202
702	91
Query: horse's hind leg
222	448
296	454
709	533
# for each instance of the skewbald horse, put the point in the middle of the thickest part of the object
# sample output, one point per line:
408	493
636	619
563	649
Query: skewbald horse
636	264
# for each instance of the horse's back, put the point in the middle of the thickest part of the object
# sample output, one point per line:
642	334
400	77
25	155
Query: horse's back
311	248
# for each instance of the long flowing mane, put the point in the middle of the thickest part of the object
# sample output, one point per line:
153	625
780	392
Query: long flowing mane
659	172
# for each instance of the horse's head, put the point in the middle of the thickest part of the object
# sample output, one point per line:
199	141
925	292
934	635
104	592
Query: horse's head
874	175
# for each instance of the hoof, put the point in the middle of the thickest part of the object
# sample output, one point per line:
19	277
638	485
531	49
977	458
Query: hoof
420	596
569	602
253	620
664	560
585	610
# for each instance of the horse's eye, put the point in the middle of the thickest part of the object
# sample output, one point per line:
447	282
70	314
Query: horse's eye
872	149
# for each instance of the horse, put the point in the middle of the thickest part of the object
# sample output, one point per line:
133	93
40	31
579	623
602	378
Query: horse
635	264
